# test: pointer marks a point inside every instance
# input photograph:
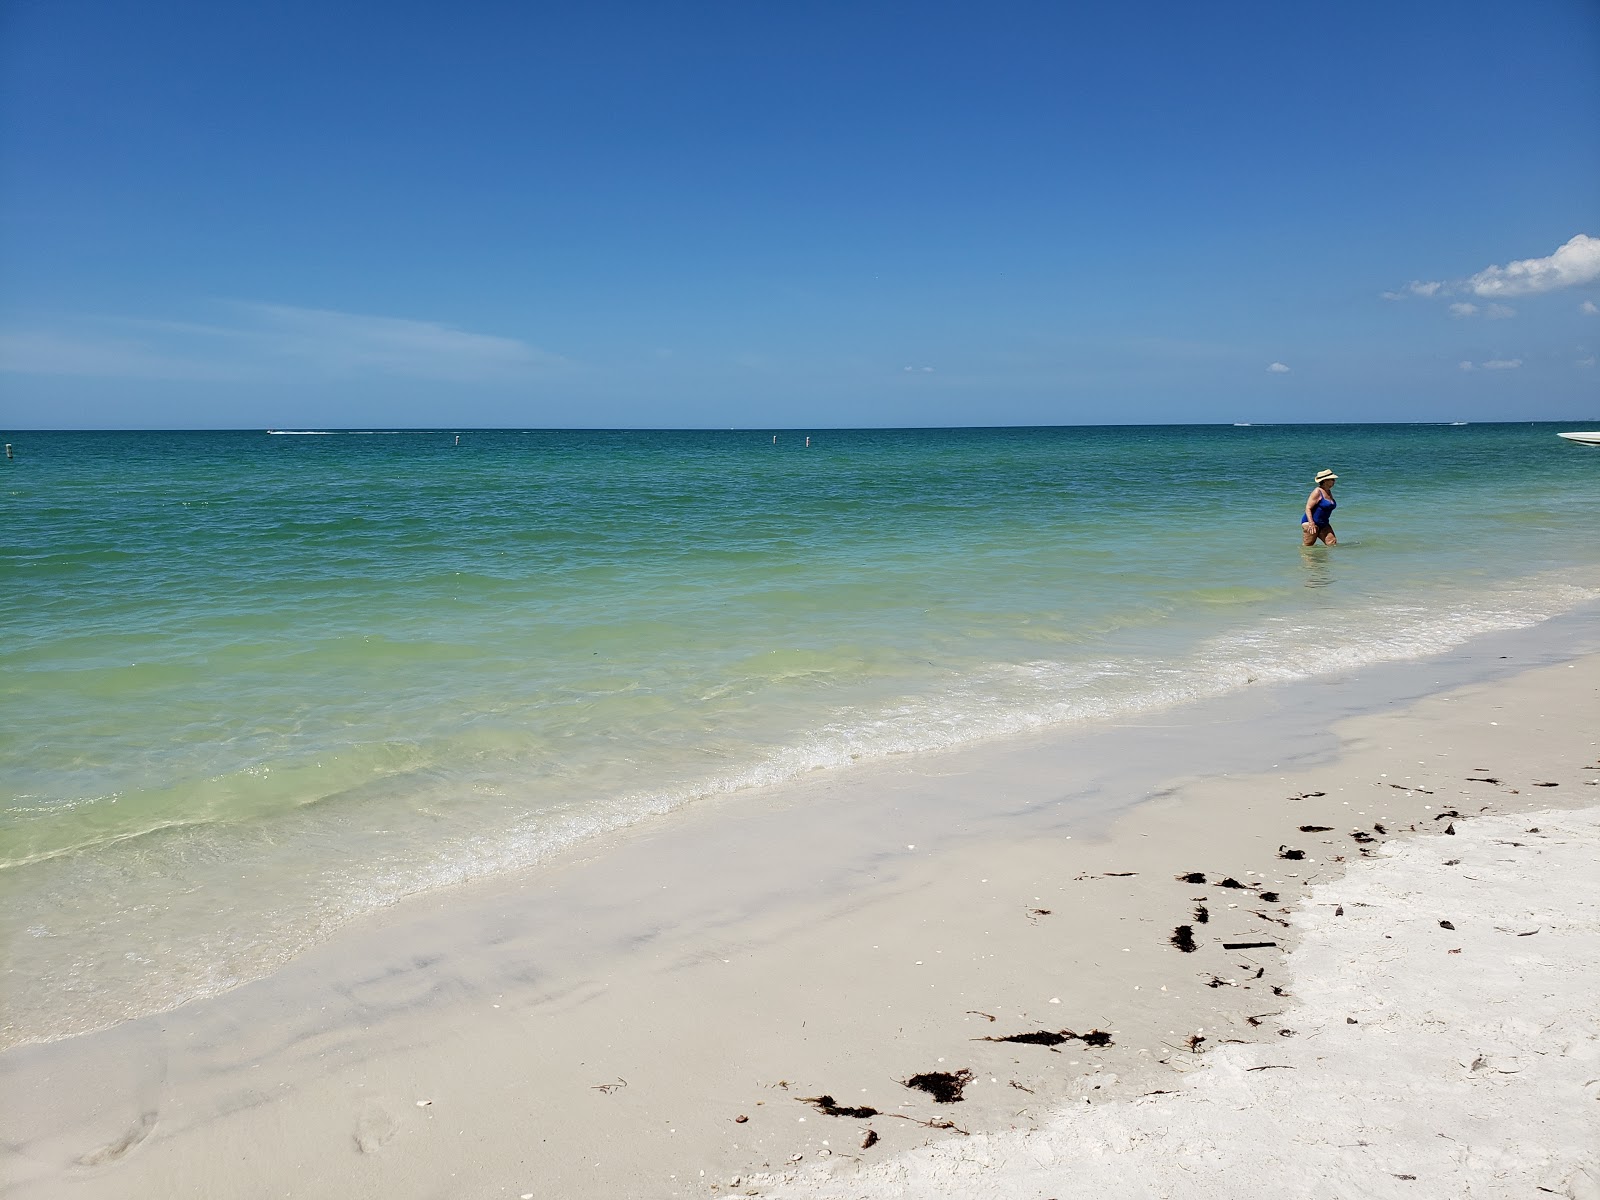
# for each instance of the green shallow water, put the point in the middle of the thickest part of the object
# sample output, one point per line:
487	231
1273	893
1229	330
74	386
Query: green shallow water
255	686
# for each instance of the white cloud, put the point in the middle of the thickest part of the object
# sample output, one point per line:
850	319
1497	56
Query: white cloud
1575	262
1463	309
1502	364
1415	288
1499	312
356	342
40	352
921	370
1588	306
1465	365
1277	368
1585	362
267	340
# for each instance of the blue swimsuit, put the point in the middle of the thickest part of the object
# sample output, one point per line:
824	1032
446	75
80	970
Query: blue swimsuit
1322	510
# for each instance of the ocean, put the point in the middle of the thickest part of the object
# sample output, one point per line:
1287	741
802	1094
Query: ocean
255	686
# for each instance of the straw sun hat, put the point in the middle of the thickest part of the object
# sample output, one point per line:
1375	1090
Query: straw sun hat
1325	477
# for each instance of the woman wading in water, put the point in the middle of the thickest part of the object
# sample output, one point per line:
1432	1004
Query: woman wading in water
1314	524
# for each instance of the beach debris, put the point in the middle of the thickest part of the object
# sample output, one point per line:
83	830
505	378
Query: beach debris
1379	829
1272	1067
972	1012
1019	1087
1407	788
1547	785
1285	1033
1268	917
1202	914
1044	1037
1278	991
1316	829
1260	971
1308	795
740	1119
1118	874
871	1140
1535	829
829	1107
1447	813
1183	938
607	1088
1361	835
1446	925
1452	862
1402	1176
424	1103
1217	981
1482	779
1338	910
1194	1043
1351	1021
1269	897
1291	855
936	1123
1231	882
1248	945
944	1086
1034	914
1192	877
1450	829
1530	932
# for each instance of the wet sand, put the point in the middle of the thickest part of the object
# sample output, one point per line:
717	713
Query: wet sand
662	1018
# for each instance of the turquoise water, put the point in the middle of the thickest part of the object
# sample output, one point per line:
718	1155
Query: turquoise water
255	686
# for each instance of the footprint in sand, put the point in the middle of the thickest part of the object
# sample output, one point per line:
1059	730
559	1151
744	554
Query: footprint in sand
111	1151
374	1127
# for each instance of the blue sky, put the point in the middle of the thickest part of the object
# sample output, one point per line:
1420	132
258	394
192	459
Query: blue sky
715	214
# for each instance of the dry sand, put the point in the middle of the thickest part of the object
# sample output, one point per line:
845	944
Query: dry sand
1415	1060
648	1022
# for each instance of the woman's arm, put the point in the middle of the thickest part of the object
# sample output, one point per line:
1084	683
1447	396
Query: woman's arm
1312	501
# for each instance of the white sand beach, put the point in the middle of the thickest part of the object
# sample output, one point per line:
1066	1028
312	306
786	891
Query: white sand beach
665	1019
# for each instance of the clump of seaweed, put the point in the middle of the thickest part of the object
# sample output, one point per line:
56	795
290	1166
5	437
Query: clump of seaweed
1183	938
828	1107
1053	1038
944	1086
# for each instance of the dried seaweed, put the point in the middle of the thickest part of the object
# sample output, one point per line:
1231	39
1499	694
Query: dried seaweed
1231	882
871	1140
828	1107
1247	945
1183	938
1046	1037
1192	877
1202	914
1270	897
1446	925
1405	788
943	1086
1291	855
1316	829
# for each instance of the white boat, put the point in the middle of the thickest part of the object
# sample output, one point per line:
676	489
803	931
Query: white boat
1592	438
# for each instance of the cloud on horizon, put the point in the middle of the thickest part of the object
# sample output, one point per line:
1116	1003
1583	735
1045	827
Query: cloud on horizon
271	340
1277	368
